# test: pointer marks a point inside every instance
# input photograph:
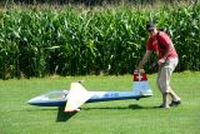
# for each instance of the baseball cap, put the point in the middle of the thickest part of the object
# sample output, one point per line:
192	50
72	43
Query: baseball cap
150	26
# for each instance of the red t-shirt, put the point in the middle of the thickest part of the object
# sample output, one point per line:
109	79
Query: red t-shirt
161	47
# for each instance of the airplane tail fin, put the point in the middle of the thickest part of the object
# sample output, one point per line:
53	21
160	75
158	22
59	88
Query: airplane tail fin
140	84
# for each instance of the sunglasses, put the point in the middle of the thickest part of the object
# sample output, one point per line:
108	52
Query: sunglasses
150	30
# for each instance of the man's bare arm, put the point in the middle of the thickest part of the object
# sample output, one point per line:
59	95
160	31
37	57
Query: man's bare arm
144	59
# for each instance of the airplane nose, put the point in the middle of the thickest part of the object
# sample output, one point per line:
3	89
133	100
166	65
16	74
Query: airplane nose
32	101
36	100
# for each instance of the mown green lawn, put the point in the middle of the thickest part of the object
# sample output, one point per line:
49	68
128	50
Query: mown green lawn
119	117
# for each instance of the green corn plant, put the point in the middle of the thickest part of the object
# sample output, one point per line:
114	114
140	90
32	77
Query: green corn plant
39	42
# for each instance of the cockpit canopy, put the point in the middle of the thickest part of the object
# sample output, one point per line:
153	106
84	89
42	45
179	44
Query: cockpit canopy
56	95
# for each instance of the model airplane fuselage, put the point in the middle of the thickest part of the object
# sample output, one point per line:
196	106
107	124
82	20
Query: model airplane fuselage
78	95
59	98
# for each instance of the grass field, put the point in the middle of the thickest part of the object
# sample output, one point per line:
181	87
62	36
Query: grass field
119	117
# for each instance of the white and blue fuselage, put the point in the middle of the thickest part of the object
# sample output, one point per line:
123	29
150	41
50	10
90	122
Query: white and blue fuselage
59	98
78	94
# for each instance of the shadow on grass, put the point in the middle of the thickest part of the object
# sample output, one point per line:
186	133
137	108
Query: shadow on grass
138	107
132	106
63	116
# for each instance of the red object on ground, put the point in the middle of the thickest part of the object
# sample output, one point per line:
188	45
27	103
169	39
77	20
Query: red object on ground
140	77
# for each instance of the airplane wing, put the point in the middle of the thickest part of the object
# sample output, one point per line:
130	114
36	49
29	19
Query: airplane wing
76	97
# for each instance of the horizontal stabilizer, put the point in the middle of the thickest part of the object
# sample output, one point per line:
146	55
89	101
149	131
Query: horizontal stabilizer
77	96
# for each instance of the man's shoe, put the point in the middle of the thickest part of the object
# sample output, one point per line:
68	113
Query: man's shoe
175	103
166	107
163	106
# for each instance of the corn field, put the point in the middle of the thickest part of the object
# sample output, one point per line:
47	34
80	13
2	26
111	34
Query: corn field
91	2
39	42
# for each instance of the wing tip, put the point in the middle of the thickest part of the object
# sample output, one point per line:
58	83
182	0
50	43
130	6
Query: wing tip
72	110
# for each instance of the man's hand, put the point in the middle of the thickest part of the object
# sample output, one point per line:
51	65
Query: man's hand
161	61
139	71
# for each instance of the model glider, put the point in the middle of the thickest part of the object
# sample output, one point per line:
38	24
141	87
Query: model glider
78	95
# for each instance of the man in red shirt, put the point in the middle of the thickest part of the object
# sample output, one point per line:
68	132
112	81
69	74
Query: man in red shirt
160	43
